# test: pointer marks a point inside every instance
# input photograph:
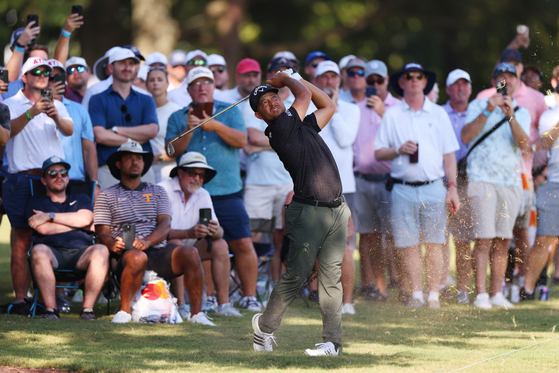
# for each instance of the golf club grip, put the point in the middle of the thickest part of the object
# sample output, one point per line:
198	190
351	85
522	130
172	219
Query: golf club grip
207	120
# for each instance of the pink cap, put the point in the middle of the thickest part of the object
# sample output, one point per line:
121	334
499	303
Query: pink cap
248	65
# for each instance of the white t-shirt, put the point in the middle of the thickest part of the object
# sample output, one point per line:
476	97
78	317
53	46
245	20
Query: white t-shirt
232	96
430	127
547	121
38	140
163	114
186	215
340	134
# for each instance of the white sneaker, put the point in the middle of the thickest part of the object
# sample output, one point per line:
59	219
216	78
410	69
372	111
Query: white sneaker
210	305
348	308
122	317
323	349
499	300
226	309
262	342
482	301
201	318
250	304
184	311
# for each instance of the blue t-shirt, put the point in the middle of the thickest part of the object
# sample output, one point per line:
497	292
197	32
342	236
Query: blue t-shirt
108	109
83	129
75	239
220	155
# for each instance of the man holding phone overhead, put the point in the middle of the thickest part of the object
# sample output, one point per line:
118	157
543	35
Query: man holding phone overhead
147	207
35	123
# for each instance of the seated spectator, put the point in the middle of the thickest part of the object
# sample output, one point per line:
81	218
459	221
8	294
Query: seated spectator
147	207
187	199
63	239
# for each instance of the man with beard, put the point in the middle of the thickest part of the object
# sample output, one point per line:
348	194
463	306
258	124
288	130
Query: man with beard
121	113
147	207
63	239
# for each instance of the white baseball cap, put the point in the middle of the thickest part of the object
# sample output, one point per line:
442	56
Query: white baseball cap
199	72
32	63
345	60
55	63
143	72
326	66
101	64
177	57
215	59
196	53
156	57
455	75
76	61
122	54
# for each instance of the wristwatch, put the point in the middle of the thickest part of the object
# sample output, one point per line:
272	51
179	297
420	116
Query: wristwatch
115	129
51	216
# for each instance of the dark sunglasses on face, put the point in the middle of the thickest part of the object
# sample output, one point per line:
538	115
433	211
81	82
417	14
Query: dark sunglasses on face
373	81
352	74
124	109
315	64
38	72
196	63
412	74
73	69
220	69
193	174
54	173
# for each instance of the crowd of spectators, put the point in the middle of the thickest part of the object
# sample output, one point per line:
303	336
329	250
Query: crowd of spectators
397	151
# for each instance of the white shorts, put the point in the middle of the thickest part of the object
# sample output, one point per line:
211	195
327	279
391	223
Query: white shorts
266	201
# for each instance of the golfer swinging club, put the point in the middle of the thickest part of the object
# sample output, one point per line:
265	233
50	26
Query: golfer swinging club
316	221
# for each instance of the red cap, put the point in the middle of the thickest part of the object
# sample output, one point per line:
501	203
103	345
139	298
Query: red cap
248	65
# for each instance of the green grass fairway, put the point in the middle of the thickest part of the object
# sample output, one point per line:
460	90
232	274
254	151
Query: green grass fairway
380	338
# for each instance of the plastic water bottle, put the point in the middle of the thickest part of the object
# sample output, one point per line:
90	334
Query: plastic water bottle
515	294
544	293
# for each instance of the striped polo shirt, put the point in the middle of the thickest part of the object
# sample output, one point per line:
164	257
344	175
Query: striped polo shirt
119	205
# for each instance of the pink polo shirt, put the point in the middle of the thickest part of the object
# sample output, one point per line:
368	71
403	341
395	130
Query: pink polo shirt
363	147
534	102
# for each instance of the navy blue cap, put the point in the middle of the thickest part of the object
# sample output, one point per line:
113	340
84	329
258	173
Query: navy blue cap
135	50
278	62
413	66
511	55
257	94
316	54
52	161
504	67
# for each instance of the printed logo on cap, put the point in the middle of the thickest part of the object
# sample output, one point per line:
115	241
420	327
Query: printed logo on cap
55	159
416	65
260	88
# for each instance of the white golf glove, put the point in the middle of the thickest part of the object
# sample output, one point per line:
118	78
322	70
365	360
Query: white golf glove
292	74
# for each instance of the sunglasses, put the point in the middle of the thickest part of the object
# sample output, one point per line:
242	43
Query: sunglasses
193	174
72	70
220	69
196	63
373	81
124	109
351	74
411	75
315	64
202	83
38	72
54	173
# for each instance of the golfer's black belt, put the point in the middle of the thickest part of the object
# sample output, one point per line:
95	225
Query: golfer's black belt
335	203
413	183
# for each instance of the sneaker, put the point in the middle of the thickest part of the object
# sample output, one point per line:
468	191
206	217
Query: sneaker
51	315
227	309
525	296
262	342
184	311
87	314
348	308
499	300
462	297
415	303
19	308
323	349
122	317
201	318
313	296
250	304
482	301
434	304
62	303
370	293
404	297
210	305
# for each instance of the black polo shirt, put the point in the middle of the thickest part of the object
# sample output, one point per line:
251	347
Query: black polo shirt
305	156
75	239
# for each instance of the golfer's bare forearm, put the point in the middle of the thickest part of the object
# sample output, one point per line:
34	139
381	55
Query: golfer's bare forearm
302	96
325	106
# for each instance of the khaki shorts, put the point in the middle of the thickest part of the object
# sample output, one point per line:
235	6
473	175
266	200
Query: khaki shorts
266	201
494	209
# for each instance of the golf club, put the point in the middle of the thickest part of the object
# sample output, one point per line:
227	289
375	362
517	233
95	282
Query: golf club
171	149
